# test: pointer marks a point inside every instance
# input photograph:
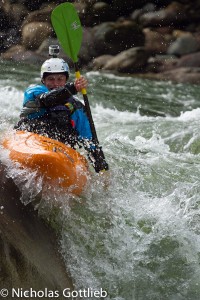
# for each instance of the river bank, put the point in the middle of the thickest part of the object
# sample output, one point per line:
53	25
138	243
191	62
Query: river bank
158	40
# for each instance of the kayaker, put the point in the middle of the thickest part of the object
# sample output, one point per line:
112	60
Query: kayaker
51	110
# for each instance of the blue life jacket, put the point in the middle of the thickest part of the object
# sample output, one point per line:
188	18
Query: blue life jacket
74	108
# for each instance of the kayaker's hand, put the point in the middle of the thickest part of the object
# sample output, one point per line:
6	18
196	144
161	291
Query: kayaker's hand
54	97
80	83
98	161
100	165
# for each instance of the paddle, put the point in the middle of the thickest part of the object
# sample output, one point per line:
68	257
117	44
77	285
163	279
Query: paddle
67	26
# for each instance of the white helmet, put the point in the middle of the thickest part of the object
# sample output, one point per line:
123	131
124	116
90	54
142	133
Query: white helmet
54	65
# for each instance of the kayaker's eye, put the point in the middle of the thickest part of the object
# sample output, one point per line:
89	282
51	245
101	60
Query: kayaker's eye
61	78
50	78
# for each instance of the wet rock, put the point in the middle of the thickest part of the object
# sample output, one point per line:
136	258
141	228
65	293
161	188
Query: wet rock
175	13
10	38
19	53
87	51
182	75
44	47
109	28
112	38
130	61
161	63
29	256
6	20
37	4
15	11
149	7
184	44
42	15
12	51
156	42
126	7
102	12
99	62
2	39
190	60
34	33
85	17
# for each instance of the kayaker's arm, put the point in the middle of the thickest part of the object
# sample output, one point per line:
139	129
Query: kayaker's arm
36	97
56	97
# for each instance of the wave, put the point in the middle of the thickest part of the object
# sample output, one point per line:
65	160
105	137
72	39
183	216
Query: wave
135	233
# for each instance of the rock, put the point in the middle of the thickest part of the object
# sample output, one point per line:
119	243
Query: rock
85	13
2	39
149	7
117	7
19	53
161	63
29	252
94	12
175	13
11	37
44	47
157	43
130	61
15	11
182	75
159	26
126	7
184	44
190	60
99	33
42	15
34	33
99	62
86	56
4	21
36	4
13	51
102	12
89	3
163	30
112	38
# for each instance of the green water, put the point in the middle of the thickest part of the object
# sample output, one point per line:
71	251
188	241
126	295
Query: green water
137	238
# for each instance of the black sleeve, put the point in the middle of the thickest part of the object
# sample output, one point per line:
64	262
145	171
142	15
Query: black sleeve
57	96
71	87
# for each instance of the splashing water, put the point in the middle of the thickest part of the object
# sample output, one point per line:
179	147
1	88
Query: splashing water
138	236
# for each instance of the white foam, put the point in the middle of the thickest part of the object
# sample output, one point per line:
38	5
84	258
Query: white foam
193	115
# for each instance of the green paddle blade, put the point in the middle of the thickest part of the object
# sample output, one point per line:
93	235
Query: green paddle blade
67	26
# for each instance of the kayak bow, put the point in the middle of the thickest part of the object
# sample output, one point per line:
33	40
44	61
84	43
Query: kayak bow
54	161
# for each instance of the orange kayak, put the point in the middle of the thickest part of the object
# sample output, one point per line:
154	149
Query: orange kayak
56	162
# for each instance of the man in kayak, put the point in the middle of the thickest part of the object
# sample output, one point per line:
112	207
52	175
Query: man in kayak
51	110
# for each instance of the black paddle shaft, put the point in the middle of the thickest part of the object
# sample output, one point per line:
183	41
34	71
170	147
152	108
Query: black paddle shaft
88	111
89	115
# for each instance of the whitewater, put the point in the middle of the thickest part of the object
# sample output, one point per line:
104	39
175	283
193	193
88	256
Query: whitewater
136	234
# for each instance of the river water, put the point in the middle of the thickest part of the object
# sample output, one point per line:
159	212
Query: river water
137	237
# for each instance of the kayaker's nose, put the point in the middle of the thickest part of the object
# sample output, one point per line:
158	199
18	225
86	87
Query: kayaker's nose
56	83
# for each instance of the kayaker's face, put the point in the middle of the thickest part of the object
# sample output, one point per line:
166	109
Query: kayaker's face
54	81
